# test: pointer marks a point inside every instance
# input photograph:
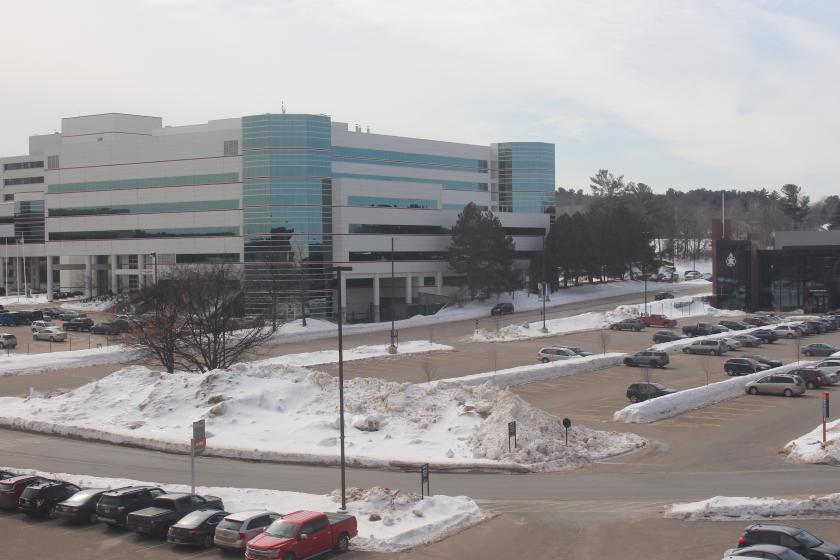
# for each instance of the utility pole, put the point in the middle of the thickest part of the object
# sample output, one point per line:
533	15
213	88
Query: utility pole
338	270
392	348
544	287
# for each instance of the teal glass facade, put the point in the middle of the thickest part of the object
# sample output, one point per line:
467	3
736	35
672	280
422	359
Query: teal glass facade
145	183
287	211
526	177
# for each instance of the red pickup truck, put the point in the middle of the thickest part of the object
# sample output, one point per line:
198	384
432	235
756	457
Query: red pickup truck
658	321
303	534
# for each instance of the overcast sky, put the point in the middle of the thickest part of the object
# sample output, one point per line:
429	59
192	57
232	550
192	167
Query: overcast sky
728	94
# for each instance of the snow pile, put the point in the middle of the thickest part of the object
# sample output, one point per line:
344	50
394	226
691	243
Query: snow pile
809	448
23	300
357	353
724	508
388	520
676	308
387	424
23	364
97	305
680	402
538	372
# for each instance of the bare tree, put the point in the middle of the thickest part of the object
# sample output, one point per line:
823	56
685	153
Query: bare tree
604	337
429	368
194	320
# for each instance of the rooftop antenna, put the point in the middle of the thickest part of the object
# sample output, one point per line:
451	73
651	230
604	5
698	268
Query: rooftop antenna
283	107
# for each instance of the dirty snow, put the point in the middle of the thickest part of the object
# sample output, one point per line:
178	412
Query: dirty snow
405	521
538	372
447	424
91	306
724	508
357	353
680	402
23	364
809	448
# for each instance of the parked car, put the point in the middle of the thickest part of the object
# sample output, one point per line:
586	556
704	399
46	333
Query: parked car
767	335
805	329
777	384
115	505
638	392
166	510
817	326
743	366
647	358
502	309
712	347
663	295
197	528
577	350
38	326
552	354
819	349
813	377
27	316
831	365
107	328
702	329
41	497
666	336
765	360
734	325
6	474
788	536
303	534
748	340
762	551
80	507
757	321
12	488
658	321
7	320
692	275
7	340
78	324
628	325
53	334
731	343
787	331
235	530
70	315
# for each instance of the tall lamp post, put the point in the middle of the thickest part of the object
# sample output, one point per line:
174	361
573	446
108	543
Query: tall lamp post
392	348
338	270
544	285
644	269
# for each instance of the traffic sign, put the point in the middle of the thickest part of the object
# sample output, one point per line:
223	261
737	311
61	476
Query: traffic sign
199	439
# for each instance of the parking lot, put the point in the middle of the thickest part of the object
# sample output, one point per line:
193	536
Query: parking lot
75	340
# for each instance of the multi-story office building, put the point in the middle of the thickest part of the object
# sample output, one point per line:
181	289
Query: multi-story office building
114	200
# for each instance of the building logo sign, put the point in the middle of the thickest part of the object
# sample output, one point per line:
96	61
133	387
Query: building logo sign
730	261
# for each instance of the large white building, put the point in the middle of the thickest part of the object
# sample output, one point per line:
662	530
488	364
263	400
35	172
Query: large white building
114	200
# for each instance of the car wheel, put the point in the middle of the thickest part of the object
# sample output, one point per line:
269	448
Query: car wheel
34	337
686	351
544	360
343	543
788	393
637	329
788	335
715	353
753	391
92	517
810	385
634	398
289	556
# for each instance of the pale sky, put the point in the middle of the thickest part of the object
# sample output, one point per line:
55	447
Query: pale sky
673	93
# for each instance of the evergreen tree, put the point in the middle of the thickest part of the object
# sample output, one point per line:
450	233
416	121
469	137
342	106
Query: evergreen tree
794	204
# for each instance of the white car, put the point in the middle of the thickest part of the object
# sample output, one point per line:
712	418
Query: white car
38	326
53	334
237	529
731	343
552	354
787	331
693	275
829	366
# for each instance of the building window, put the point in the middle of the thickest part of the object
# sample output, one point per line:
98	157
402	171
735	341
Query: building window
379	229
132	261
429	282
23	165
133	282
23	181
211	231
231	147
52	162
8	197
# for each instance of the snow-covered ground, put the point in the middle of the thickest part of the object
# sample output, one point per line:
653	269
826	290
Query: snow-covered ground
691	399
90	306
809	448
23	364
673	308
388	424
357	353
539	372
23	300
725	508
404	520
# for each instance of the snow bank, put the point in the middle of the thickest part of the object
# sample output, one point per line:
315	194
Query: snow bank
528	374
404	520
23	300
809	448
403	424
357	353
24	364
724	508
691	399
98	305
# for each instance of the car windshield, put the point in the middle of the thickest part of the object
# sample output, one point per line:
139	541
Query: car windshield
82	496
808	539
659	386
196	518
282	529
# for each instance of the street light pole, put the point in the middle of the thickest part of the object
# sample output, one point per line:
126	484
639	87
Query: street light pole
544	285
392	348
338	270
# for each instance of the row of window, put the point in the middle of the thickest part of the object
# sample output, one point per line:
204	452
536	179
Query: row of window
403	229
144	233
147	182
23	181
446	184
460	206
209	258
407	159
389	202
23	165
367	256
150	208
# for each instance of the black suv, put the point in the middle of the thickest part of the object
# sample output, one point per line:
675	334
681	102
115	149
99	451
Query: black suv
77	324
115	505
41	497
647	358
743	366
794	538
735	325
666	336
663	295
502	309
638	392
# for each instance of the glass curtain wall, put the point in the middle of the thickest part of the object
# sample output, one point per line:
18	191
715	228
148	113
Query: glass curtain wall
807	279
287	215
526	177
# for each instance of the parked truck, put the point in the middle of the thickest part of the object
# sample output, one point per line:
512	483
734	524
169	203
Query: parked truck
702	329
658	321
303	534
166	510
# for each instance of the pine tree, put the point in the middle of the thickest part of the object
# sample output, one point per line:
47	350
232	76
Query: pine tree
794	204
